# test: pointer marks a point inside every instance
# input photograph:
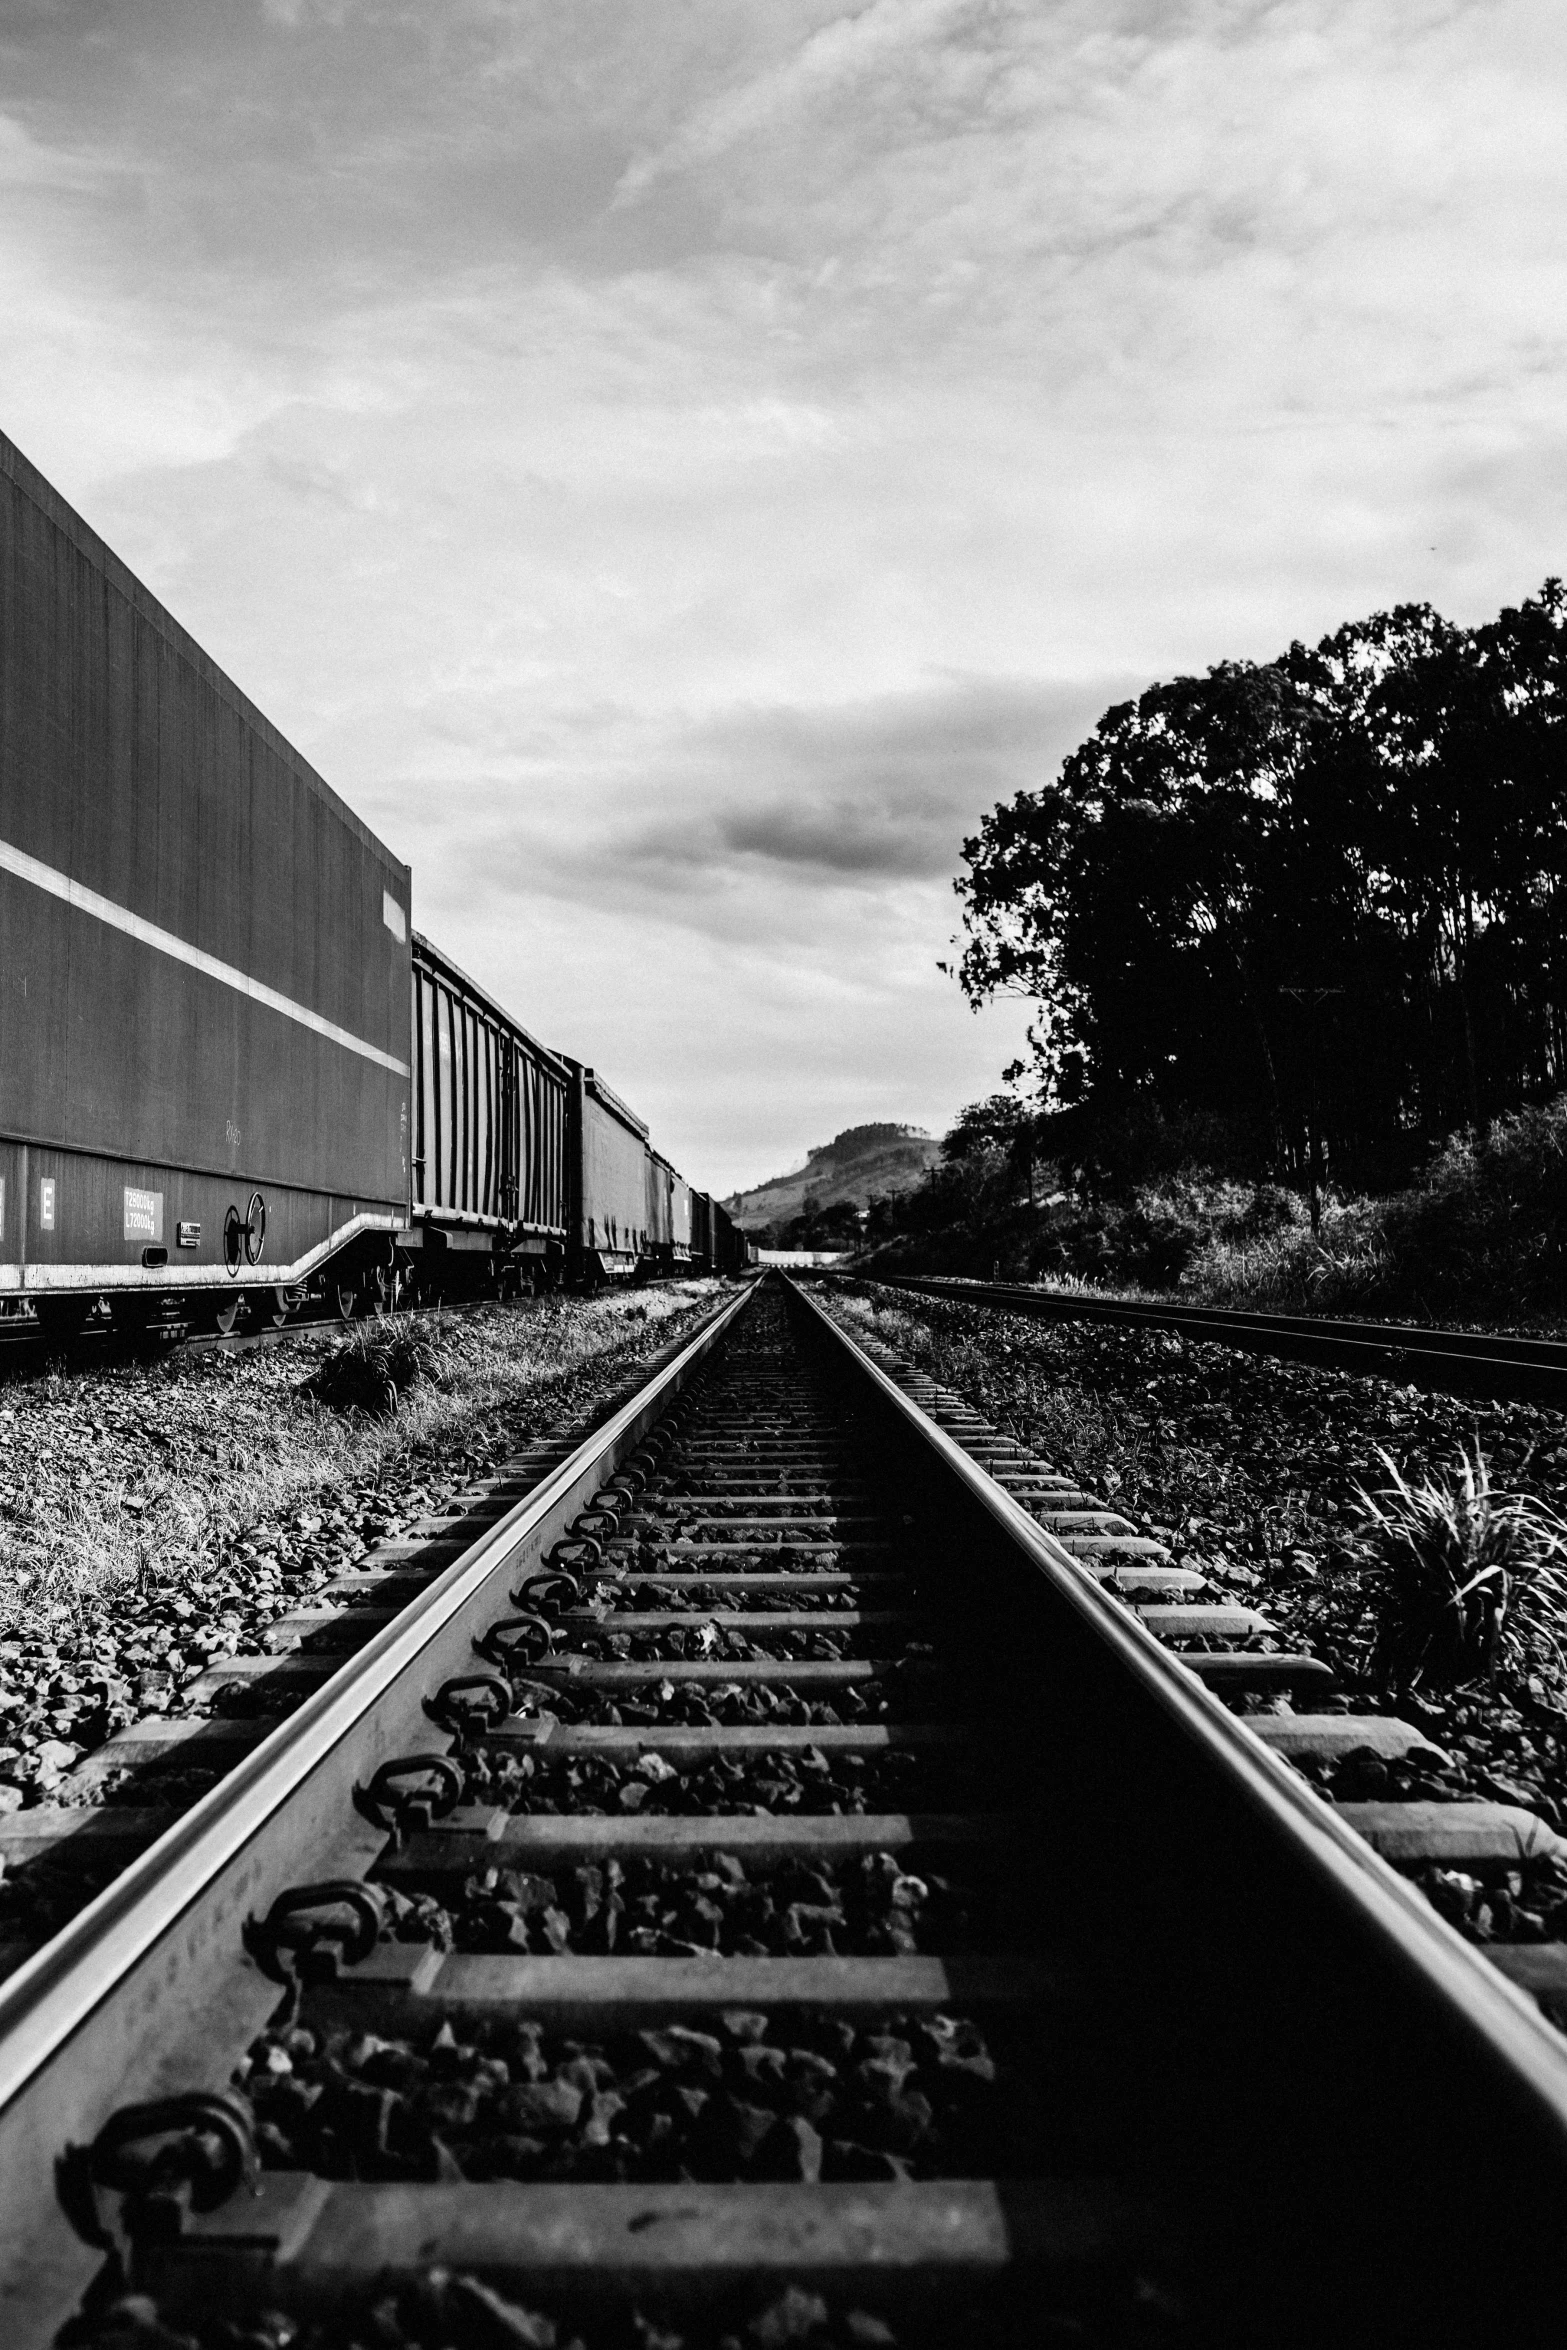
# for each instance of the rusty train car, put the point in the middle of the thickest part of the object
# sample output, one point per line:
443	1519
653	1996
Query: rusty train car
232	1075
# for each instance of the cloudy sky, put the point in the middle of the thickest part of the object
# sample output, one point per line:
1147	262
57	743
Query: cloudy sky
673	465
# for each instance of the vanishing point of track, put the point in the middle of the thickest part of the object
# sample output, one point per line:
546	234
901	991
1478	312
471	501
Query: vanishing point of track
801	1843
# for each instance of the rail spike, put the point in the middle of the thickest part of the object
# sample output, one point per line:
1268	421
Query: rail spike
574	1554
174	2156
401	1798
312	1931
470	1703
548	1587
517	1640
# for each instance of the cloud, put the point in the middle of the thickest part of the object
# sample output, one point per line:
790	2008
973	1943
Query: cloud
834	62
834	837
859	795
673	468
26	164
726	827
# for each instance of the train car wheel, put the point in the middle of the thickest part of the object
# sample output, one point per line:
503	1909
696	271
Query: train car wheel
225	1316
345	1299
278	1311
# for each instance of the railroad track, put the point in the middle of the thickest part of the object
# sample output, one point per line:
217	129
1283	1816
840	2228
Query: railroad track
793	1878
1463	1361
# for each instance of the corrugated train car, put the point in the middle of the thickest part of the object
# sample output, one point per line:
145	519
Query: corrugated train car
204	962
660	1178
491	1113
608	1157
669	1214
701	1231
680	1199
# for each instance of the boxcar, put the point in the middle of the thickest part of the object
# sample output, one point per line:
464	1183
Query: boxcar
204	960
734	1251
669	1214
680	1197
491	1112
659	1176
702	1231
607	1159
730	1249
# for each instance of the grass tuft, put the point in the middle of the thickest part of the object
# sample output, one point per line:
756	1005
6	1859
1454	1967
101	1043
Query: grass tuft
1465	1583
380	1361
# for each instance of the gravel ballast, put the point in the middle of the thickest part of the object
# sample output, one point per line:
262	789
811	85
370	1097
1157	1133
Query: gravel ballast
1247	1468
157	1518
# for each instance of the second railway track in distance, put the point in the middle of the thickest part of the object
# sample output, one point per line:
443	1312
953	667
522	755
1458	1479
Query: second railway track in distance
768	1889
1463	1361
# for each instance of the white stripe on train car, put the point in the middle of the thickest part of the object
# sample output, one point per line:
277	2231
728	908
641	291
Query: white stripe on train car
87	901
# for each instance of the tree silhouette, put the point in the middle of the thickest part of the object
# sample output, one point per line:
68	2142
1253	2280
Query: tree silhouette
1317	902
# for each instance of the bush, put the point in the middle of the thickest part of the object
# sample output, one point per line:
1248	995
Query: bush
1464	1583
1482	1237
379	1361
1491	1213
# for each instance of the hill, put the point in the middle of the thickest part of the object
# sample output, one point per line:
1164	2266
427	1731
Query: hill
861	1163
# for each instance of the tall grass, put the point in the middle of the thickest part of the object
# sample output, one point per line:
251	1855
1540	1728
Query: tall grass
1465	1584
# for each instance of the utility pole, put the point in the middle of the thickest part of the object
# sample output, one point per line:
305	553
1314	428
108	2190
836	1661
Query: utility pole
1315	997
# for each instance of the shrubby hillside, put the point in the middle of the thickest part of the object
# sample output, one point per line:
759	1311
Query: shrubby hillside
1481	1235
858	1165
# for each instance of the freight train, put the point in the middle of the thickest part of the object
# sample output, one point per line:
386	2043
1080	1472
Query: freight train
233	1077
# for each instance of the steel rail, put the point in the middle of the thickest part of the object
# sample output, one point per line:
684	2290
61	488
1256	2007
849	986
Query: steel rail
1460	1358
1505	2020
1368	1913
163	1931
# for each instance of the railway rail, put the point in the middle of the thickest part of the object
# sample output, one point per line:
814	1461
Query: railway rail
1464	1361
796	1875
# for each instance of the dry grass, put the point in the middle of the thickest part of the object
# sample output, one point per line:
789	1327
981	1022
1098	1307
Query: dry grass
132	1478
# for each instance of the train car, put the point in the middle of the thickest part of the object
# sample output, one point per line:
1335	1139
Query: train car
679	1223
205	965
669	1215
733	1250
607	1158
659	1177
490	1194
231	1075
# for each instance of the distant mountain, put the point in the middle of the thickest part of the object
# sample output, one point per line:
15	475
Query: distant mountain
862	1162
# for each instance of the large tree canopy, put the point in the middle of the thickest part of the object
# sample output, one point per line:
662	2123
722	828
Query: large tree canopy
1321	894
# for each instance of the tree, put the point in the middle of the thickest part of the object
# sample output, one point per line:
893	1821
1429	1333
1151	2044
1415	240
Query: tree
1317	900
